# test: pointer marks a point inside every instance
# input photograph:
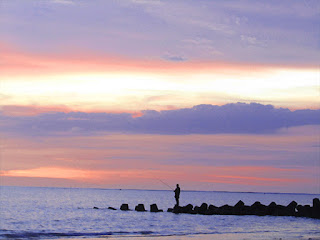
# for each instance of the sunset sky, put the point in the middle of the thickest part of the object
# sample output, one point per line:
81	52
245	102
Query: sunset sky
214	95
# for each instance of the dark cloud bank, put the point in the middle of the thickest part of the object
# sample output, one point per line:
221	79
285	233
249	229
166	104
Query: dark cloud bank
250	118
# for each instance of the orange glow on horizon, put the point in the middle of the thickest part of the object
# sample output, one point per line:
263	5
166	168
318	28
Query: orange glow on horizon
172	175
227	161
49	172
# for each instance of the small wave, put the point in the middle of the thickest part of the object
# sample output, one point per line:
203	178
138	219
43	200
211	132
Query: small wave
7	234
28	235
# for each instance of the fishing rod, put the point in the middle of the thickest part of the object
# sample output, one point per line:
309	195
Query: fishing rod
166	184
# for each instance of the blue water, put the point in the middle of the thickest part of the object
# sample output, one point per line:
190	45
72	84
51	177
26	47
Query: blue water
42	213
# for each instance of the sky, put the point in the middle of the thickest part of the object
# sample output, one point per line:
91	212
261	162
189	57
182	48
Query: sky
214	95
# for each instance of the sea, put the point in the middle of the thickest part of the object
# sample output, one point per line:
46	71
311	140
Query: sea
82	213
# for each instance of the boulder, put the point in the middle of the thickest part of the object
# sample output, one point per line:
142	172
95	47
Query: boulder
140	208
292	205
304	211
256	204
239	208
187	209
203	208
239	204
280	210
271	209
316	208
170	210
258	209
246	210
212	207
124	207
154	208
316	203
195	210
225	210
111	208
211	210
95	208
290	210
177	209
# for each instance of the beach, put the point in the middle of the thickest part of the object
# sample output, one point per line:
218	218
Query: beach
201	237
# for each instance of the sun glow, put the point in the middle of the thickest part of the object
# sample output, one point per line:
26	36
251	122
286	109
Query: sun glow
133	90
49	172
82	81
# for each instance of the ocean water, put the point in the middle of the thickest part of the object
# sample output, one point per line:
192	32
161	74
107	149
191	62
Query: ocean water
56	213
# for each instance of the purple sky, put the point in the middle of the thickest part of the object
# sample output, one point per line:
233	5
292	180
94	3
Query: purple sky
214	95
277	32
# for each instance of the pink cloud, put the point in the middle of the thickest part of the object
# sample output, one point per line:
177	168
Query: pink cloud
16	62
33	110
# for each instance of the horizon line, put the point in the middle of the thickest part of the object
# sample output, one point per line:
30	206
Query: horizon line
137	189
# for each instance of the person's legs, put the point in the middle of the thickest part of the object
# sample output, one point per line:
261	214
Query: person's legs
177	200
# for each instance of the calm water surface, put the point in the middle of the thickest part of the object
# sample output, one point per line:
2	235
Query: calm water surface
45	213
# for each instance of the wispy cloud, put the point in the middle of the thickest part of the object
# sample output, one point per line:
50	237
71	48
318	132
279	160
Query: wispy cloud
140	28
66	2
174	58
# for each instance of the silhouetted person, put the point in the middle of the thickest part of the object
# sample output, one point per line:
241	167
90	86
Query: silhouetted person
177	194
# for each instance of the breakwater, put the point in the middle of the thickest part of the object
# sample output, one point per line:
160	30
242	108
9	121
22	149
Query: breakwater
273	209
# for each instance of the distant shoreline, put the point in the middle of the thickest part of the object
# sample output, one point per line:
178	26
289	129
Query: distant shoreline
134	189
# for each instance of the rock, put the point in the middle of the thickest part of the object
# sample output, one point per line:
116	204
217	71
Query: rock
154	208
316	203
304	211
299	211
247	210
239	204
211	210
271	209
177	209
239	209
203	208
258	209
225	210
212	207
170	210
256	204
95	208
280	210
195	210
292	205
124	207
140	208
290	210
111	208
316	208
187	209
